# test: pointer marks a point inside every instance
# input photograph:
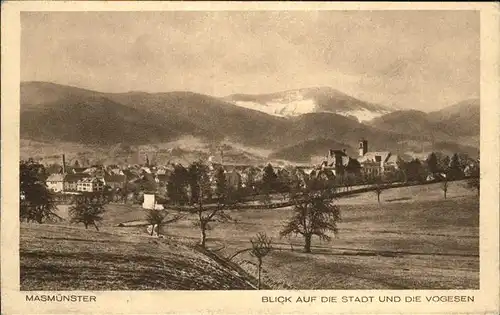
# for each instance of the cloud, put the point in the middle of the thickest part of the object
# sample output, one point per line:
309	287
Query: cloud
412	59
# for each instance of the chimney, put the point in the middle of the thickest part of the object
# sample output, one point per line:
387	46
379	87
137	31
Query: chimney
63	164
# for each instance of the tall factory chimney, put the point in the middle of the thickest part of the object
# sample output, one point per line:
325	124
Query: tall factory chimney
64	164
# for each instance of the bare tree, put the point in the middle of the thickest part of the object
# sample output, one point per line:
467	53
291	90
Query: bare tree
207	214
379	188
314	214
474	180
261	246
444	186
158	218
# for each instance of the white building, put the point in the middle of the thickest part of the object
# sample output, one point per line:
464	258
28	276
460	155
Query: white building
376	163
55	182
90	184
150	202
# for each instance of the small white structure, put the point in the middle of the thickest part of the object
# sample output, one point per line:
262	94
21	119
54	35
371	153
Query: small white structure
150	202
55	182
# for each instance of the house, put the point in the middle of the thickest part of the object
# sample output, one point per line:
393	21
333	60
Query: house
71	181
283	175
298	176
436	176
96	171
90	184
64	182
324	174
146	182
393	162
78	170
307	170
162	179
340	163
213	166
90	170
115	180
162	186
377	162
374	163
162	170
114	171
336	160
233	179
257	173
213	169
131	175
248	175
55	182
471	169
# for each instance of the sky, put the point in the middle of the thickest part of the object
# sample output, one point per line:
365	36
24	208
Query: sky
421	60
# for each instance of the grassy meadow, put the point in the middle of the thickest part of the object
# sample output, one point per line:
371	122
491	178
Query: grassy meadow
413	239
67	258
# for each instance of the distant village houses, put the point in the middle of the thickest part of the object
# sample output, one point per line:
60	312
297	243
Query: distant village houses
367	163
135	181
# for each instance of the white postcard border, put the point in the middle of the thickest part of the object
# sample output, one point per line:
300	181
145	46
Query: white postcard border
248	302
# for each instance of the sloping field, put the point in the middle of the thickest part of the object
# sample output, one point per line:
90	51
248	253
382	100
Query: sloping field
413	239
115	213
431	245
67	258
420	241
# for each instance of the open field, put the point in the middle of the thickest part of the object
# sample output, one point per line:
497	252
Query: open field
414	239
410	194
68	258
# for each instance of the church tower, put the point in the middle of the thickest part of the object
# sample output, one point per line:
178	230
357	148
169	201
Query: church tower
363	147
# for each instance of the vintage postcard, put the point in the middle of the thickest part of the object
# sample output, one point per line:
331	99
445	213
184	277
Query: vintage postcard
250	158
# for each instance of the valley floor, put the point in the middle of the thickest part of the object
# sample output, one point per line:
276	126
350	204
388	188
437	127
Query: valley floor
413	239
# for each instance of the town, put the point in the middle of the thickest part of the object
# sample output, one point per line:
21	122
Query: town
148	183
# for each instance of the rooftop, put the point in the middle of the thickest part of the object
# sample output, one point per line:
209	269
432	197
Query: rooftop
55	178
371	156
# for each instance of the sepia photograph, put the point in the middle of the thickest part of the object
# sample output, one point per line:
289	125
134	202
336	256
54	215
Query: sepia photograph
249	150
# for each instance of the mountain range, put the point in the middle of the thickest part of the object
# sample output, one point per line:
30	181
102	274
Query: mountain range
292	125
459	120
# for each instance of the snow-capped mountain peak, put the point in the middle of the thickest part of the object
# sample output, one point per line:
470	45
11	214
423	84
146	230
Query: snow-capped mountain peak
312	100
